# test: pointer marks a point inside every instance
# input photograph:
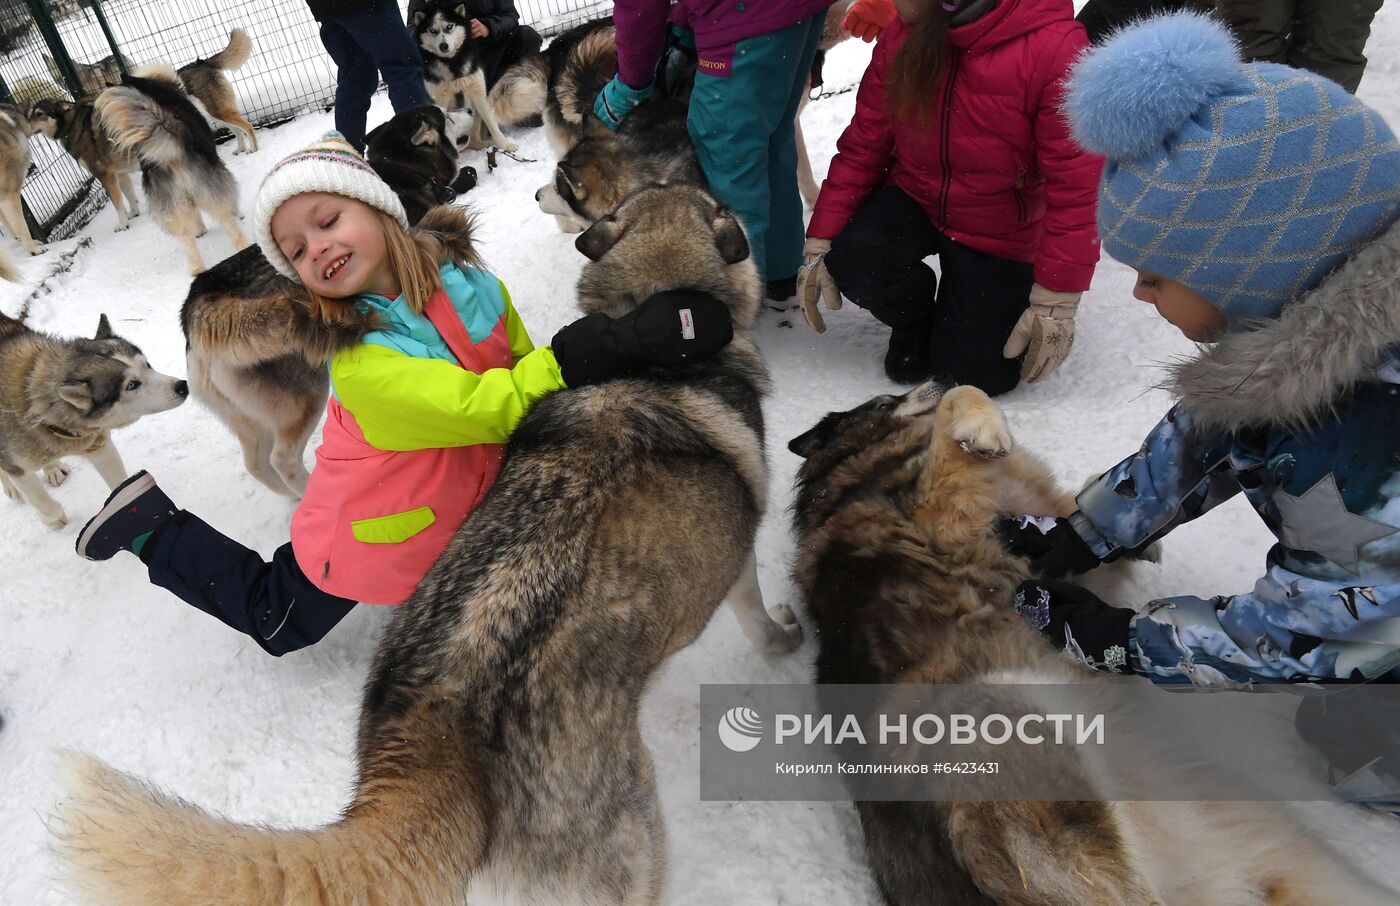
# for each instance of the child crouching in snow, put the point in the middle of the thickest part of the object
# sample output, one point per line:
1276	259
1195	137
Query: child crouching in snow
1258	204
431	371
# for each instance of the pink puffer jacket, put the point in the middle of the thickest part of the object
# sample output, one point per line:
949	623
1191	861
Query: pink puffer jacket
993	164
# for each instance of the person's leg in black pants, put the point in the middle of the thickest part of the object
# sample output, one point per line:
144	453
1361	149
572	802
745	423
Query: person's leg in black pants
877	262
981	299
363	45
274	603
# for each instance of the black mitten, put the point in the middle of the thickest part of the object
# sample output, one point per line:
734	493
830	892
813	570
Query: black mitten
1054	549
1075	618
670	328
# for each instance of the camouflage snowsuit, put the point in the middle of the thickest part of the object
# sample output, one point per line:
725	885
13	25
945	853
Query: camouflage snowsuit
1303	416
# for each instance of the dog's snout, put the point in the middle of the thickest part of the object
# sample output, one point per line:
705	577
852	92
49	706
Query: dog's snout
539	193
182	388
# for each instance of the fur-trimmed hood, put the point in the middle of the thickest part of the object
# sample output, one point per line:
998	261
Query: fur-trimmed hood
1296	369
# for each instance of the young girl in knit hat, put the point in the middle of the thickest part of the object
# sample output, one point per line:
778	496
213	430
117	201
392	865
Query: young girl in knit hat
1258	204
431	369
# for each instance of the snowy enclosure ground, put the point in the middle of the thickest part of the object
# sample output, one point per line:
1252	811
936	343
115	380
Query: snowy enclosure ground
95	659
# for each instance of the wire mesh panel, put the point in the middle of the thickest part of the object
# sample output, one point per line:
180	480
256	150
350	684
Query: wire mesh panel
288	73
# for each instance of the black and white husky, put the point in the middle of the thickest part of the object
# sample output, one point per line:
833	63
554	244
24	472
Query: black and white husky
502	77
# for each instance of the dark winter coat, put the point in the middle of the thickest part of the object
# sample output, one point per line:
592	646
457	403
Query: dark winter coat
1302	415
993	166
328	9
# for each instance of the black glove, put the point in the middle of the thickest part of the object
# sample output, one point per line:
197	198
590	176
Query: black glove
1076	619
670	328
1054	551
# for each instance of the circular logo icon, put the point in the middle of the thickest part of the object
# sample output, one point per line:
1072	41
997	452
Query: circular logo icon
740	729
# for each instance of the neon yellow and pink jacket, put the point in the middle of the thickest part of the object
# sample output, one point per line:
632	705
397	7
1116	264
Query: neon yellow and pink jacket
415	427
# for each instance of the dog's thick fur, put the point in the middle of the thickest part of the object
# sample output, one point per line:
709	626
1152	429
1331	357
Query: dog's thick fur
62	397
74	125
499	739
598	167
14	167
907	581
503	78
253	354
205	82
181	172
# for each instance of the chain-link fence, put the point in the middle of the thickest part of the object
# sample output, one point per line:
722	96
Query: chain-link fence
68	48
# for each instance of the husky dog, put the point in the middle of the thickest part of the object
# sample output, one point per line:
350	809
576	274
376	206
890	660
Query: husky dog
93	76
205	82
598	167
181	172
251	352
499	739
74	125
502	77
61	398
897	498
416	154
14	167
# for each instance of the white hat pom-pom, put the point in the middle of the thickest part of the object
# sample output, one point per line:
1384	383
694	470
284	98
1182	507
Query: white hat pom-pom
1126	97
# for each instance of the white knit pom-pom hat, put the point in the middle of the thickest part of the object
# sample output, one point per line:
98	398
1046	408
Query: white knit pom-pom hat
329	165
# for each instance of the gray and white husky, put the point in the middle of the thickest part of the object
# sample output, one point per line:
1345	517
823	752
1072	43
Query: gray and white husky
499	740
61	397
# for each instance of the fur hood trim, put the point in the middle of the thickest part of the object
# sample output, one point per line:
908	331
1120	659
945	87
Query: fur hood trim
454	229
1296	369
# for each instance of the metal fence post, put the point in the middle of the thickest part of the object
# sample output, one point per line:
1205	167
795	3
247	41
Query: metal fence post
111	39
49	30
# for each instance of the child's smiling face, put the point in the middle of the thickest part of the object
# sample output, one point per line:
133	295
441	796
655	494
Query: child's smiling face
1182	306
335	244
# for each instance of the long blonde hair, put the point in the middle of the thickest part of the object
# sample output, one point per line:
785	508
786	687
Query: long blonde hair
414	255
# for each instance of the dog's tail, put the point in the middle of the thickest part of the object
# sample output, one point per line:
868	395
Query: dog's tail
413	837
137	124
240	48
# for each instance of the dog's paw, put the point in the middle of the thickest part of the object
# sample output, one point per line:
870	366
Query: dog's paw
10	490
55	473
977	424
785	634
122	227
56	520
38	248
508	147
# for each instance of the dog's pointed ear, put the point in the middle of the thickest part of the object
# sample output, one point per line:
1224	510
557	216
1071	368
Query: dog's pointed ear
460	9
104	329
425	134
419	16
373	134
805	443
77	394
733	245
595	241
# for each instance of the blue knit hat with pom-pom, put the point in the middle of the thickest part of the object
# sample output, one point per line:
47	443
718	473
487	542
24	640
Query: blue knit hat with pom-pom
1248	183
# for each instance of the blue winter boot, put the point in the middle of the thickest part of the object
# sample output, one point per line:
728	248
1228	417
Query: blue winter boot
132	513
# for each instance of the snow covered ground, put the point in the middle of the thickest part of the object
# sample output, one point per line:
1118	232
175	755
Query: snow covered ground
93	658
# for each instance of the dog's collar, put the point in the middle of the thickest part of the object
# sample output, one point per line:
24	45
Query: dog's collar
64	433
